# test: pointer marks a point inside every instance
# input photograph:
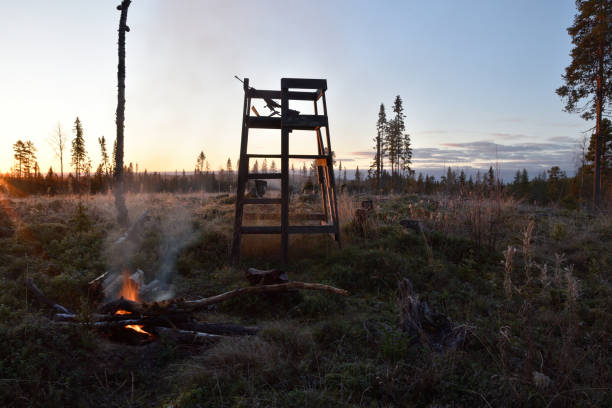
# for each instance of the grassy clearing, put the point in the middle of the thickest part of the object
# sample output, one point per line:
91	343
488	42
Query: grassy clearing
534	283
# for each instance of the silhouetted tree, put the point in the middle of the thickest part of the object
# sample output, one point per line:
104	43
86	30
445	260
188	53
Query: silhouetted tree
58	143
379	146
79	154
589	74
122	212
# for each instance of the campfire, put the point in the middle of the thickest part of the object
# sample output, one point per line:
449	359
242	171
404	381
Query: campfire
129	291
129	318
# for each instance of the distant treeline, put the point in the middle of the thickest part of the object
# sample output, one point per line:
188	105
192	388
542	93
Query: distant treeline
552	186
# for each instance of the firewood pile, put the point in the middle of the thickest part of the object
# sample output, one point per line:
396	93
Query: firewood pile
127	319
132	315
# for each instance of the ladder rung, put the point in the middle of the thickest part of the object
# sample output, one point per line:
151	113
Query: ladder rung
261	230
308	156
265	175
262	201
264	156
293	229
311	229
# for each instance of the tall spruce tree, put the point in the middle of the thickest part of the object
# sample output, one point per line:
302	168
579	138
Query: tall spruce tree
588	75
395	131
105	163
379	146
78	152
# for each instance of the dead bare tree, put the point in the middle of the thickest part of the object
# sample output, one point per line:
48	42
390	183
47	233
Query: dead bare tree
122	212
58	143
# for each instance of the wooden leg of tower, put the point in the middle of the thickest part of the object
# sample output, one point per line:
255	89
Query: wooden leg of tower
334	197
321	171
334	202
243	173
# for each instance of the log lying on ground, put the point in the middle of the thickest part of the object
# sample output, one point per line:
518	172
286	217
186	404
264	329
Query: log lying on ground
186	306
266	277
430	328
108	322
281	287
43	299
186	336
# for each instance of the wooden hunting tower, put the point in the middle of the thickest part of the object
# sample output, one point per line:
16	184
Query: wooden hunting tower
287	120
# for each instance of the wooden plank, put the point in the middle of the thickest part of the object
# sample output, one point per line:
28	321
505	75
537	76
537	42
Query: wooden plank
264	175
243	171
292	229
304	83
262	201
272	94
264	156
260	229
307	156
263	122
332	180
311	229
304	122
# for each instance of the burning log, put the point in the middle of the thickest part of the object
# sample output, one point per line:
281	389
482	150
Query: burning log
43	299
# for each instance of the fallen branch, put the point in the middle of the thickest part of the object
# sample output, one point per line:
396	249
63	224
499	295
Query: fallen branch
176	306
100	321
185	336
43	299
281	287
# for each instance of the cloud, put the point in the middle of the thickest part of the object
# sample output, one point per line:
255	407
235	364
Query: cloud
484	153
362	154
562	139
432	132
509	135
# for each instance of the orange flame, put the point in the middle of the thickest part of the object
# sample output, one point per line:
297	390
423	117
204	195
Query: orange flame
129	289
138	328
122	312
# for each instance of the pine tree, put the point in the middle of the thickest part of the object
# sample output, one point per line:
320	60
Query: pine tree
264	166
20	156
201	159
589	74
606	142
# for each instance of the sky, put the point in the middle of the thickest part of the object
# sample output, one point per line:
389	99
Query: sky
477	78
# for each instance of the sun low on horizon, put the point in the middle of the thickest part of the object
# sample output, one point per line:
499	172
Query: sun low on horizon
478	89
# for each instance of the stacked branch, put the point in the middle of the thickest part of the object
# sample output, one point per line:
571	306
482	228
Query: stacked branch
174	318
